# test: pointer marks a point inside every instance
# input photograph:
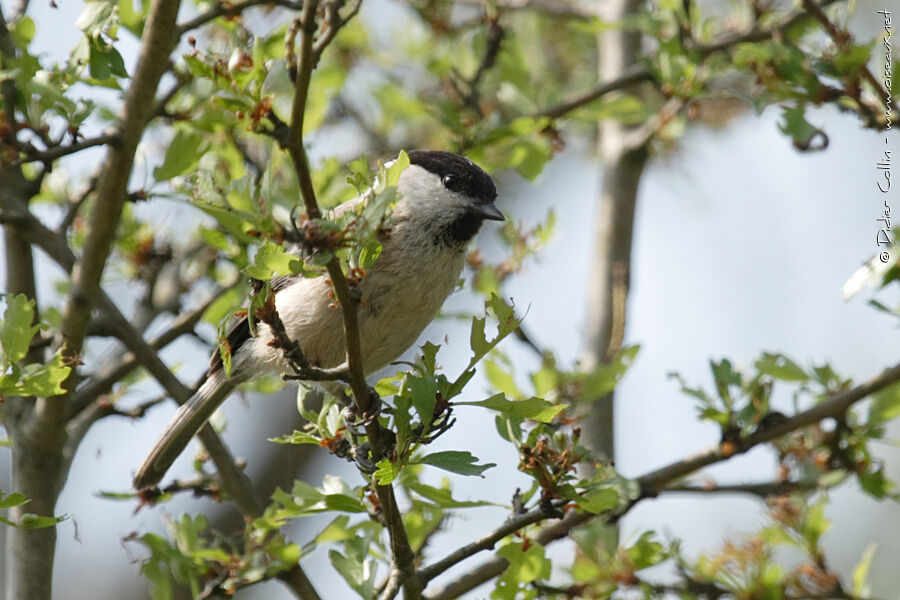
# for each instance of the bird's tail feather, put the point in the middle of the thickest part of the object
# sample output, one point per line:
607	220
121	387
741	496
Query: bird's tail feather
184	425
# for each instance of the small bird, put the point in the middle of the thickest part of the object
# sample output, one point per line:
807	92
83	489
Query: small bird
444	198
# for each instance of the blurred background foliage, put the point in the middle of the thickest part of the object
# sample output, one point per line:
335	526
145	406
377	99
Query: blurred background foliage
212	198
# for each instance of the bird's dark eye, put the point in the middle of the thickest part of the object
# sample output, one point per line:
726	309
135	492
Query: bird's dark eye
450	182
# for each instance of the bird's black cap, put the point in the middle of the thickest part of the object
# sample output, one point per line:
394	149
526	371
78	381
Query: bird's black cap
458	173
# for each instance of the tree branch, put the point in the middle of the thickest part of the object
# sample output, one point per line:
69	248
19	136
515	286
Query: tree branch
158	41
841	39
637	73
227	9
56	152
657	481
113	371
762	490
552	8
484	543
402	555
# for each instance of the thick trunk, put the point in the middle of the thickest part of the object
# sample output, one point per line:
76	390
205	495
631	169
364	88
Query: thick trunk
611	267
37	472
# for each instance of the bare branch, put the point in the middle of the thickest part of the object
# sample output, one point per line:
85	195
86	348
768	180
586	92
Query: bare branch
484	543
334	22
113	372
551	8
158	41
762	490
636	73
55	152
227	9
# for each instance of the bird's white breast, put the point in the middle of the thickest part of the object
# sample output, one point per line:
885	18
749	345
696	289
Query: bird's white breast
401	294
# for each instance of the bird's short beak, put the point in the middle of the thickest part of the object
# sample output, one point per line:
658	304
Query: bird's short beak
489	211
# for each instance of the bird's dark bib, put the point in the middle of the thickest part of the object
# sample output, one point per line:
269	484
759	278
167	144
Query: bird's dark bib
459	231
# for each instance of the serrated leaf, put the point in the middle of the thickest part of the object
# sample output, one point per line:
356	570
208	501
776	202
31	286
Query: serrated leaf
16	329
387	472
271	260
456	461
43	381
806	136
535	409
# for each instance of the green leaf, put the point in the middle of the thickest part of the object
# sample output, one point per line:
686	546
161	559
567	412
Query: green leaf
605	377
105	61
271	260
392	173
43	381
806	137
506	324
183	154
885	405
861	572
10	500
780	366
501	379
598	500
358	575
344	503
22	30
298	437
525	565
535	409
32	521
16	329
455	461
336	531
387	472
646	552
442	496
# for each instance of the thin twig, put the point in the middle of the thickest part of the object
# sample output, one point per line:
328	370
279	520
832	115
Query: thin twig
102	383
158	41
637	73
841	39
550	8
334	22
222	9
56	152
763	490
403	558
486	542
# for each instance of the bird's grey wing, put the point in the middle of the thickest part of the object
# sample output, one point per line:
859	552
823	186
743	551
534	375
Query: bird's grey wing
240	330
